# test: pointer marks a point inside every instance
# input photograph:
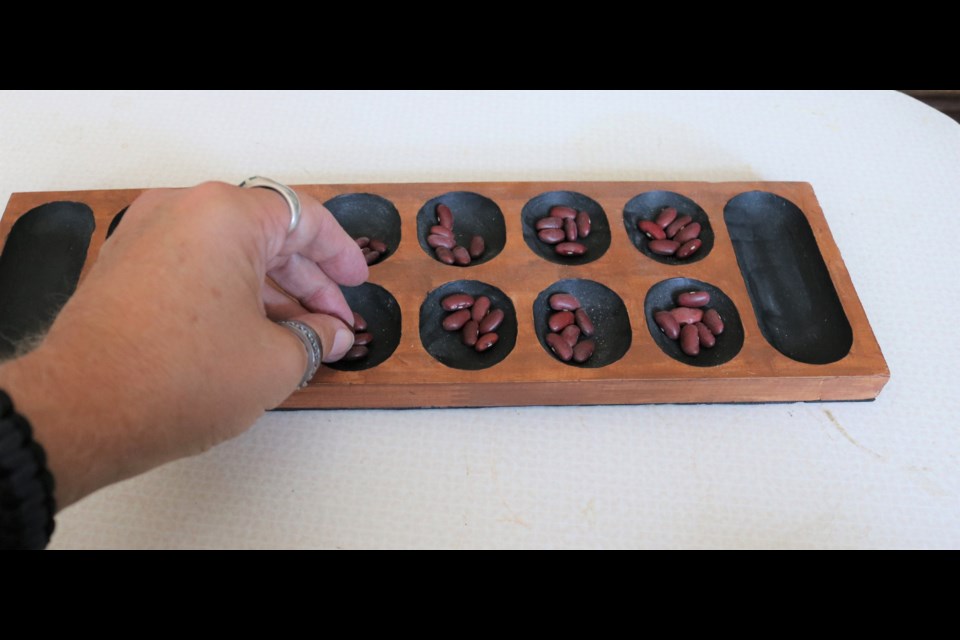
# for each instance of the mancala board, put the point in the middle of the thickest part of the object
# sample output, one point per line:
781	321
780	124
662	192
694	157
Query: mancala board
796	330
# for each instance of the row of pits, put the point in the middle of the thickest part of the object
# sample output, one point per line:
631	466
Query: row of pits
373	216
606	309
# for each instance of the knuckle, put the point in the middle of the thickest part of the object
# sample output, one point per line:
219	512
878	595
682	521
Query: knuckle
213	188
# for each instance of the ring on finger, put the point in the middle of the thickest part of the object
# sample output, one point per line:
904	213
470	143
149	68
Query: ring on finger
311	342
288	194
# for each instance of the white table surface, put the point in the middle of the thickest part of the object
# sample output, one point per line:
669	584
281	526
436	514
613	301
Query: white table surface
886	170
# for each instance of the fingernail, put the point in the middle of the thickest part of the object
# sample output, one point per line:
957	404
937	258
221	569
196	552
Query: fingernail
342	342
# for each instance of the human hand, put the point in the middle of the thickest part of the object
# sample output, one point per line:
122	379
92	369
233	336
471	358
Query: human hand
169	345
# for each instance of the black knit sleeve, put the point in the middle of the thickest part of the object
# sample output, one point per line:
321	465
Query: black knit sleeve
26	486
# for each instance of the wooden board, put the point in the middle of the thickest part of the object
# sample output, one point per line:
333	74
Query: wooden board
531	376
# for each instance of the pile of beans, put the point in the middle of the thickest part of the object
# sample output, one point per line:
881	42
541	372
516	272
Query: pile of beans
476	320
373	249
361	339
671	234
691	323
562	228
444	243
570	329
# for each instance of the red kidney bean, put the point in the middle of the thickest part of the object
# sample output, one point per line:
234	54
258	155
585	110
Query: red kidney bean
571	334
570	249
689	248
470	333
564	302
695	331
668	324
663	247
665	217
480	308
690	340
357	353
550	222
559	346
366	250
560	211
688	233
707	339
456	320
713	321
583	351
552	236
438	230
362	241
693	299
583	224
445	216
457	301
491	321
686	315
477	246
584	322
651	229
486	341
372	256
440	241
461	256
678	224
444	255
570	229
559	320
359	324
362	339
379	246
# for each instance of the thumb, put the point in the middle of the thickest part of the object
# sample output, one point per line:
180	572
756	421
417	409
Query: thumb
336	337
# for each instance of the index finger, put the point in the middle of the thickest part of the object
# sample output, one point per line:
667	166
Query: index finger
320	238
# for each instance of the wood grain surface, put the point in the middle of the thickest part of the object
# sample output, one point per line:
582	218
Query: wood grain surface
531	376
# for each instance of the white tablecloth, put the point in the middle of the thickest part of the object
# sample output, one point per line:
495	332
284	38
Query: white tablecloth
885	167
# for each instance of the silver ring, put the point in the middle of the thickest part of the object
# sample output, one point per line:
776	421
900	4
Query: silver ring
311	341
288	194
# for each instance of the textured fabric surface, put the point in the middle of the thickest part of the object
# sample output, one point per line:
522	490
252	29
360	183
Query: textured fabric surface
876	474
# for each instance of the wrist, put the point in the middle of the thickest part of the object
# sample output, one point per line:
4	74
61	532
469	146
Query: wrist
80	454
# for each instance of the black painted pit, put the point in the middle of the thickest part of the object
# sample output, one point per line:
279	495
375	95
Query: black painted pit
663	297
446	346
39	269
647	206
613	335
793	297
382	313
370	215
473	215
538	207
116	221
